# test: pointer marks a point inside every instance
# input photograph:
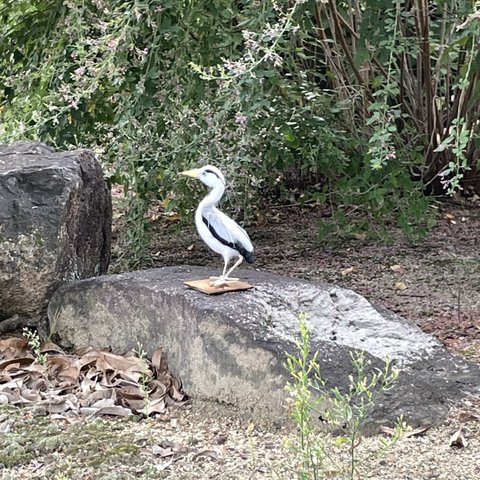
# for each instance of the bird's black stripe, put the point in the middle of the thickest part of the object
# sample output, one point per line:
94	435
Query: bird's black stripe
248	256
211	171
214	173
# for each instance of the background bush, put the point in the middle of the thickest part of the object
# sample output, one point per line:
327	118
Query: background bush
365	103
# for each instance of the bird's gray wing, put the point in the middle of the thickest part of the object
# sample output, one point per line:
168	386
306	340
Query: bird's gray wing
226	231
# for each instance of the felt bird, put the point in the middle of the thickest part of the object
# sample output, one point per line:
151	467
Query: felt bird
223	235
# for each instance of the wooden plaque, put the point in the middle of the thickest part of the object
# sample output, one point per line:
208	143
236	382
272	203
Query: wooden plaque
205	286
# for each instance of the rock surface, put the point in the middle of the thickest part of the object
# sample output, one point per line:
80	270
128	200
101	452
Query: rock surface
55	224
231	347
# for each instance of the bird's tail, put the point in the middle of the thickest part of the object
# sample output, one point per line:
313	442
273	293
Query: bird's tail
248	256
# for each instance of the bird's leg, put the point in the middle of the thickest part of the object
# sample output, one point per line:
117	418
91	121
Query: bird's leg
226	276
225	279
218	281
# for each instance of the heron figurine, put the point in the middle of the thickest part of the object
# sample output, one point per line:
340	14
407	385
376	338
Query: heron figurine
219	232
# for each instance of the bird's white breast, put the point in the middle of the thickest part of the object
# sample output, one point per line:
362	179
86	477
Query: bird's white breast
209	239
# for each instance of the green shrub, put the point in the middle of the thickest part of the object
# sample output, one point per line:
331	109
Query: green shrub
155	86
344	413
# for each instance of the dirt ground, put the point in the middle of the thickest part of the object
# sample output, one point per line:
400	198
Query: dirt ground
434	282
208	441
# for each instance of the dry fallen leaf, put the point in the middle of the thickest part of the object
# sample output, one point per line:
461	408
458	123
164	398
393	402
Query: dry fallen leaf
172	217
397	268
214	454
162	452
468	417
417	432
14	347
400	286
451	218
159	362
156	406
388	430
91	381
458	439
261	220
347	271
51	347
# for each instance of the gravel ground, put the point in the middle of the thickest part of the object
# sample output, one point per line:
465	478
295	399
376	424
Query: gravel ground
212	441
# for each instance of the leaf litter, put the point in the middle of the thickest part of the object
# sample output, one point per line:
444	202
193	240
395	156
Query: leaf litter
89	381
458	439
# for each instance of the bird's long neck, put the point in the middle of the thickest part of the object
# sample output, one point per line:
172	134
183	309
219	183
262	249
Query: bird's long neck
213	197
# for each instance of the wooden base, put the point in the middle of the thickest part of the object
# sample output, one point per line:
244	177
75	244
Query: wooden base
205	286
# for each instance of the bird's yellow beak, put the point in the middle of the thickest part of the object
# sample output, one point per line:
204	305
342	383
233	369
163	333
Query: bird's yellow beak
190	173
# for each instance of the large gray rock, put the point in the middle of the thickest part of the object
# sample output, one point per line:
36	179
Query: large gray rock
55	224
232	347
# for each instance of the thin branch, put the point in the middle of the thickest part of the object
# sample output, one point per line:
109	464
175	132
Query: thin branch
330	58
346	50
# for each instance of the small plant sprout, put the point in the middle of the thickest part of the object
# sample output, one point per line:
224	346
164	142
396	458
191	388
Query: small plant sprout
140	352
61	476
35	344
145	377
344	412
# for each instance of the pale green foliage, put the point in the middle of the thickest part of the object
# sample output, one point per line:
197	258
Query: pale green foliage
35	344
344	413
61	476
307	101
115	77
145	378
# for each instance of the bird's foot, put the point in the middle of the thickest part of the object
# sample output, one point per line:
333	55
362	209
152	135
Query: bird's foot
231	279
221	281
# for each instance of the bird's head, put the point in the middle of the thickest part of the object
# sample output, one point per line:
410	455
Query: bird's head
209	175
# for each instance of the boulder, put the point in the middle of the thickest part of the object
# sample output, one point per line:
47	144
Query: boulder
232	347
55	224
